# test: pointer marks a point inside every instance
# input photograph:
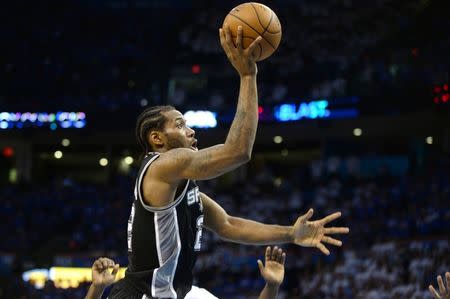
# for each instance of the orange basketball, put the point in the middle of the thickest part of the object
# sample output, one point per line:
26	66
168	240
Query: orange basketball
256	20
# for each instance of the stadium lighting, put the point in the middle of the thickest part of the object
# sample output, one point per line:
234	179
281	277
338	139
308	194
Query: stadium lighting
278	139
65	142
10	120
144	102
201	119
429	140
128	160
103	162
311	110
58	154
357	132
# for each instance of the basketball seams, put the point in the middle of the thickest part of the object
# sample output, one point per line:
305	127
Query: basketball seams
267	29
260	23
270	21
252	28
257	16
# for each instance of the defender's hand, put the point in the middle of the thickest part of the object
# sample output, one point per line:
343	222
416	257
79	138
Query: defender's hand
443	293
273	272
313	233
101	276
242	59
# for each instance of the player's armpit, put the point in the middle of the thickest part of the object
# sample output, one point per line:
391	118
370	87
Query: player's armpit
183	163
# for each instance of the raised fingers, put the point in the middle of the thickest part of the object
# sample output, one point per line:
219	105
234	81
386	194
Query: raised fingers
254	44
447	278
330	218
280	255
239	39
441	285
323	248
223	42
331	241
222	37
335	230
433	292
274	254
268	253
228	36
307	216
283	258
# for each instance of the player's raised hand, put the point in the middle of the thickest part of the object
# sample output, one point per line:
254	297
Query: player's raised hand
273	271
314	233
101	275
443	293
243	60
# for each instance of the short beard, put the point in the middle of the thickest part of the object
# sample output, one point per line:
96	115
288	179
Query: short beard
173	143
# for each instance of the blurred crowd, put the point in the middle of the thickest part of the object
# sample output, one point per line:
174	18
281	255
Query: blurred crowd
398	241
123	59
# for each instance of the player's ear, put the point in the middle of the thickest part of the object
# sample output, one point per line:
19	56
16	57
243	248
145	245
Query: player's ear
156	138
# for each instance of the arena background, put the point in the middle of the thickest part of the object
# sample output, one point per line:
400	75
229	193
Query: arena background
354	116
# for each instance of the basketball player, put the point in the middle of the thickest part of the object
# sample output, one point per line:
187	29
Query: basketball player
169	212
443	293
272	272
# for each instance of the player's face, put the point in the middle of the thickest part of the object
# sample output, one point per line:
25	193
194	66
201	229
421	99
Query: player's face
177	133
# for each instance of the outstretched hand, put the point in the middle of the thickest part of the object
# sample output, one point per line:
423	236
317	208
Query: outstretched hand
273	271
313	233
443	293
243	60
101	276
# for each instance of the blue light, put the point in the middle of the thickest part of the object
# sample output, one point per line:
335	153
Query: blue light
311	110
66	124
4	116
40	119
80	124
201	119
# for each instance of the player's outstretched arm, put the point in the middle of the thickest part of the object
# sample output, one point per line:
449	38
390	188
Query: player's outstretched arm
303	233
183	163
272	272
101	277
443	293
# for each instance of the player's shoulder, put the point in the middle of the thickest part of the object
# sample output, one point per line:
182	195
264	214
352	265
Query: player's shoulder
175	156
168	164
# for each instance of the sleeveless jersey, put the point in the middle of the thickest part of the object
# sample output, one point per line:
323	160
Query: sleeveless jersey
162	241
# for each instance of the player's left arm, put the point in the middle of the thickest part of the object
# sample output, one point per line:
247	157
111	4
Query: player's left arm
303	233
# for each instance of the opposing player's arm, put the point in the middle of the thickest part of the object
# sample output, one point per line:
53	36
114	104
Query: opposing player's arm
272	272
211	162
102	277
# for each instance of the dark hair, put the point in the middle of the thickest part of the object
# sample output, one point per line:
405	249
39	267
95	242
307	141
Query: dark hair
150	119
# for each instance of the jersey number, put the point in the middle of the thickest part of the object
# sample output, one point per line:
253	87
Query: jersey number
198	235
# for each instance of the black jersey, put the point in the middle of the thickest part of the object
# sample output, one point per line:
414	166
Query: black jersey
162	241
